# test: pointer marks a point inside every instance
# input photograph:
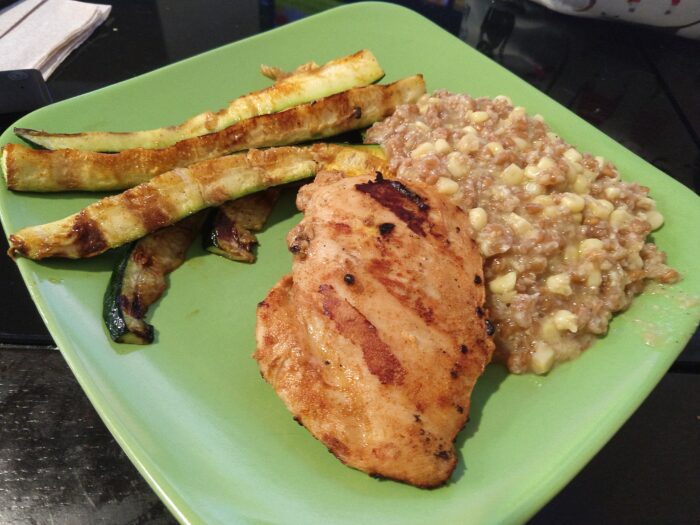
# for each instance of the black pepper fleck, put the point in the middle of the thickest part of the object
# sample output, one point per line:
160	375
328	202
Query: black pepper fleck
477	279
460	409
417	417
442	454
463	349
386	228
490	329
349	278
357	112
479	311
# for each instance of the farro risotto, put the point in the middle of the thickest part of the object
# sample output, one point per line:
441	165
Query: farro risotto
563	238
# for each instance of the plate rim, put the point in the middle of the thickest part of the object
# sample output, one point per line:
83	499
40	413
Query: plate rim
149	469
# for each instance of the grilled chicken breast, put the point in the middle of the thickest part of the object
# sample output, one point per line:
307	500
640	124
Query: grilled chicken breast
375	340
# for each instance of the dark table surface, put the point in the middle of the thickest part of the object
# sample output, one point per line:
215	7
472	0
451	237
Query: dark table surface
59	464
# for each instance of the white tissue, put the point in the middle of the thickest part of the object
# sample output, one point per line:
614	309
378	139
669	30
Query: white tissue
40	34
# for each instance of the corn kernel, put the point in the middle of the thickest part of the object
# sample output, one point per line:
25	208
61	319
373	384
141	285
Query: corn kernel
574	168
517	113
468	143
422	149
538	118
531	171
546	163
504	283
549	331
600	161
477	218
551	212
477	117
613	192
570	254
442	146
575	203
655	219
645	203
532	188
599	208
543	200
446	186
456	166
503	98
594	279
469	130
559	283
619	217
421	126
518	224
520	143
512	175
634	262
588	246
542	358
494	147
566	320
573	155
581	184
552	136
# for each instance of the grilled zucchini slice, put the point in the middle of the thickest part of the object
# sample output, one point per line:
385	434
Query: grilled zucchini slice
230	229
172	196
302	86
139	279
27	169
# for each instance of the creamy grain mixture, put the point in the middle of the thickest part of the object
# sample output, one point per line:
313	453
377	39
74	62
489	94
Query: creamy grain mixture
563	238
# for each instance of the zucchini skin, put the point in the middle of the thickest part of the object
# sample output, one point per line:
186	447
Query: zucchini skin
139	279
172	196
229	231
112	307
300	87
27	169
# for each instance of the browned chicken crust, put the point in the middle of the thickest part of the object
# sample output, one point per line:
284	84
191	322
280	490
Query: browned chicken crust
376	339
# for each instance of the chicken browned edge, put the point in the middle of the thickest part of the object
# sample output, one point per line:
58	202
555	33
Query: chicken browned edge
376	339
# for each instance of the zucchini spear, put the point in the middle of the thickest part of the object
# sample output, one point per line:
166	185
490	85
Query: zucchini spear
304	85
171	196
138	280
229	232
27	169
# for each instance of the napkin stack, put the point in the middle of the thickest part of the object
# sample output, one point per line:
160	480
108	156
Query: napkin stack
40	34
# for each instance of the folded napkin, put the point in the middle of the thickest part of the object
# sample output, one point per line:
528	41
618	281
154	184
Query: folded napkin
40	34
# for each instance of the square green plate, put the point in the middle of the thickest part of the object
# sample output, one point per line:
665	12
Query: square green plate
191	410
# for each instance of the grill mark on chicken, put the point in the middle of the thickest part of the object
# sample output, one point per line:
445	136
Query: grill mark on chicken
379	358
408	206
379	269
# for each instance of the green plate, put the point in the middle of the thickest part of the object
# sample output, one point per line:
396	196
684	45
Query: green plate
191	410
